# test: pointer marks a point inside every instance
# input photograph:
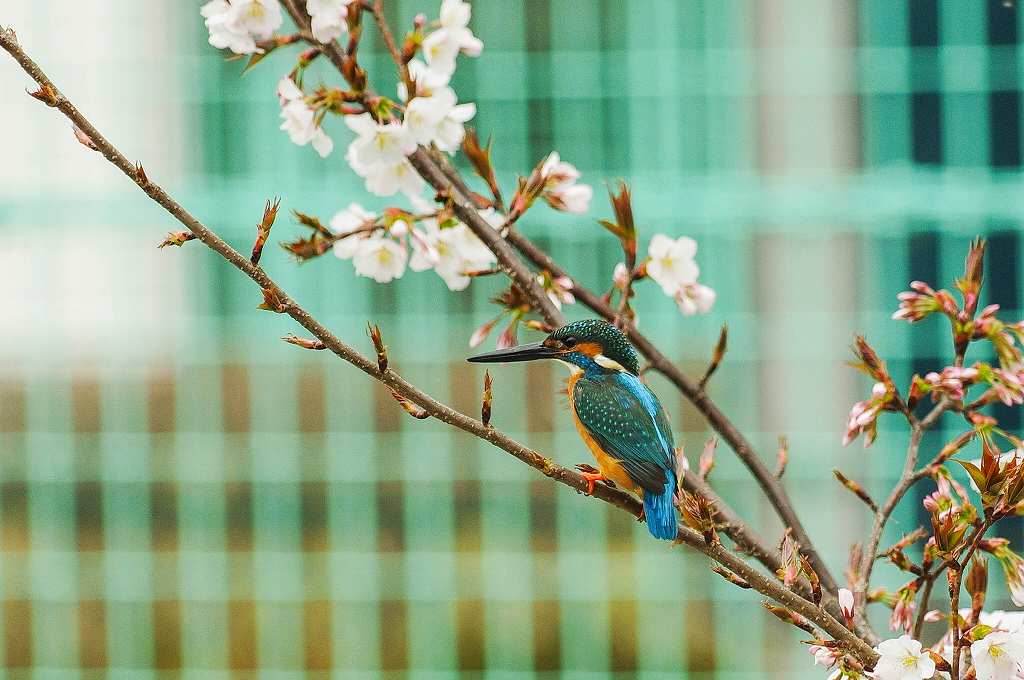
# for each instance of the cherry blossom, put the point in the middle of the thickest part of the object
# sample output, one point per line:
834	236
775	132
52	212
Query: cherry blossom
557	288
300	120
375	142
903	659
327	18
903	610
846	604
386	179
695	298
998	655
823	656
451	251
223	32
441	47
671	262
864	415
345	222
438	119
560	188
428	81
620	276
380	258
258	18
574	198
481	333
1013	570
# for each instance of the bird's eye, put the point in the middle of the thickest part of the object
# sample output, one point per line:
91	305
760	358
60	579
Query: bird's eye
569	343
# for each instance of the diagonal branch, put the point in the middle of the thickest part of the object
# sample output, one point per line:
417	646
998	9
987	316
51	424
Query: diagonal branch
443	177
771	588
437	171
770	485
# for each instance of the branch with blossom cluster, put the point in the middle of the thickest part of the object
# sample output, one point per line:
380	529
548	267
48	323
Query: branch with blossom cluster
403	145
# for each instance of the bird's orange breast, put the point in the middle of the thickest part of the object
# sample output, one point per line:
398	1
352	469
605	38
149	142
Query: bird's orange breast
610	467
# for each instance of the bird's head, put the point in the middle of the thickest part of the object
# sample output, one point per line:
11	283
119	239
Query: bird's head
591	344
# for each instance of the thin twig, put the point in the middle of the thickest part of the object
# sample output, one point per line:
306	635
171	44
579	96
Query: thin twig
926	596
908	478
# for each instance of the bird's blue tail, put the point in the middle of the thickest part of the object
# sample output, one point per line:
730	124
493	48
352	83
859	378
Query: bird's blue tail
661	514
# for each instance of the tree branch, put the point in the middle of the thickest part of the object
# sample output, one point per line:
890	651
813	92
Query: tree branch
437	171
908	478
50	94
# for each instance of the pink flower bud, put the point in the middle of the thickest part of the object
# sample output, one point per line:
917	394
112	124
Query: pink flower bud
481	333
846	603
620	276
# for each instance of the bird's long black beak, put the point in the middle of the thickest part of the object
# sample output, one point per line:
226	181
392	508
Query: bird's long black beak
534	350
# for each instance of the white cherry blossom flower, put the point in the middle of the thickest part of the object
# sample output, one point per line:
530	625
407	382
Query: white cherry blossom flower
387	179
380	258
823	656
328	18
452	130
998	655
574	198
846	604
441	47
558	289
451	251
438	119
903	659
223	33
671	262
620	276
560	188
428	81
399	228
375	142
300	120
558	173
259	18
695	298
424	114
345	222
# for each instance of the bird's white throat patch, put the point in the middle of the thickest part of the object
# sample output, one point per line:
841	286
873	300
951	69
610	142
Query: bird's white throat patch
610	364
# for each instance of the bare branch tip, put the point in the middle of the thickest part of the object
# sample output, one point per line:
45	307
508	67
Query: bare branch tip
373	330
304	343
488	397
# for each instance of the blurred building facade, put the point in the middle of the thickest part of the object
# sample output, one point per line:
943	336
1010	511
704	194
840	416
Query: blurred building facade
184	496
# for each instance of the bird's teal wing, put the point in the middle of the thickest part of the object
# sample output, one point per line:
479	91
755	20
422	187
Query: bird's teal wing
627	420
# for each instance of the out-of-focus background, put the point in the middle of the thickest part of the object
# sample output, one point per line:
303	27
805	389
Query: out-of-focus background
182	495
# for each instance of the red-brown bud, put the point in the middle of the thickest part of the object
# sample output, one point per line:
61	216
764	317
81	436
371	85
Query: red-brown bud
177	238
305	343
272	301
263	229
485	407
409	407
373	331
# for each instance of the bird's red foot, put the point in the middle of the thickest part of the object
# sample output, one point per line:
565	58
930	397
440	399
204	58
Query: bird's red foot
642	517
592	475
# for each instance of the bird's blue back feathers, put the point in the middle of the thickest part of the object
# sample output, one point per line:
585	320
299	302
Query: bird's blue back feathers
627	420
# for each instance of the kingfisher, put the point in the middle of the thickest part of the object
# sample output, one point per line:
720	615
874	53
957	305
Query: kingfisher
619	418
